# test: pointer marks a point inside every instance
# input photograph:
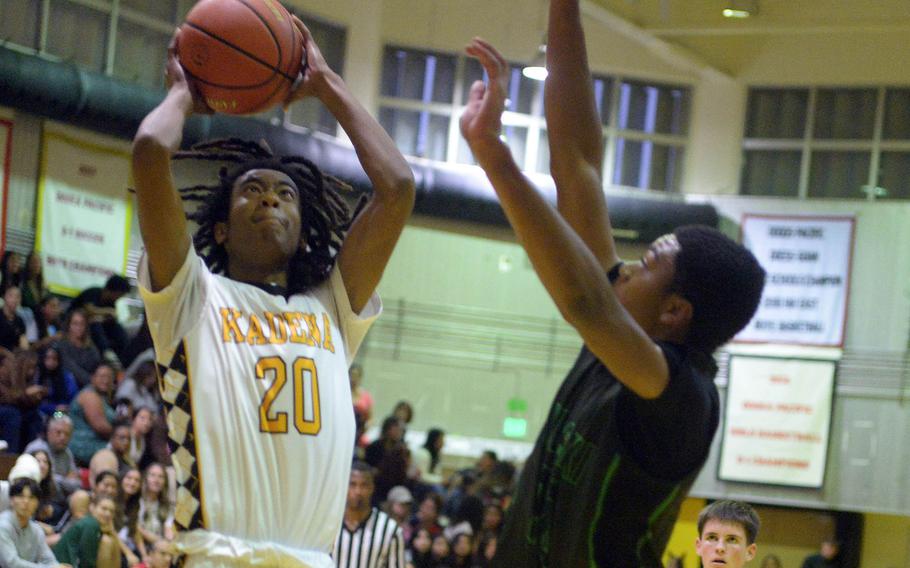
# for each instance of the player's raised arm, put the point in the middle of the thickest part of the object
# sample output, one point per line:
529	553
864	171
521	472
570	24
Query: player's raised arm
575	135
372	237
568	269
161	217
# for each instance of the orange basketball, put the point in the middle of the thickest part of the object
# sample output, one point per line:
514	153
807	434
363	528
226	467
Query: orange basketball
244	55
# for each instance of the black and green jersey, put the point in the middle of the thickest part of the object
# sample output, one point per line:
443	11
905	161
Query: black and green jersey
603	485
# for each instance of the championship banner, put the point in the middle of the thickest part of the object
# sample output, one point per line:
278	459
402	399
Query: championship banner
777	421
84	213
807	260
6	155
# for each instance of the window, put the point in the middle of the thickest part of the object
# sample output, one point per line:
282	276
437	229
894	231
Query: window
823	142
645	126
332	41
19	22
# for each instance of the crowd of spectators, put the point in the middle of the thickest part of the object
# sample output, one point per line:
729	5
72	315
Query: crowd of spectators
92	473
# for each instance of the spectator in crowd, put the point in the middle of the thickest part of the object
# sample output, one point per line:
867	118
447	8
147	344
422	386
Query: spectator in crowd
60	384
120	444
427	458
33	289
827	556
141	387
462	550
92	414
99	305
390	436
398	507
128	522
363	400
140	426
52	499
10	270
463	481
56	442
92	541
404	412
26	466
493	516
12	326
139	347
368	538
427	516
107	483
727	531
392	471
468	519
80	356
156	513
22	542
47	321
20	421
160	557
486	552
441	552
497	485
418	553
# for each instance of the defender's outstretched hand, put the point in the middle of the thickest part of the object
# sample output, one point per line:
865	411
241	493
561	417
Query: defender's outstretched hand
481	122
176	78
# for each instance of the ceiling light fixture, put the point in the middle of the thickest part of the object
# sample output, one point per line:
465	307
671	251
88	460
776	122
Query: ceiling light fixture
536	70
741	8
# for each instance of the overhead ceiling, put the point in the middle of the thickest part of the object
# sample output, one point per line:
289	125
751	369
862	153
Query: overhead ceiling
729	44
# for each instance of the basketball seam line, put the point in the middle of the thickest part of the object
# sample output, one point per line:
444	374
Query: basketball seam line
244	52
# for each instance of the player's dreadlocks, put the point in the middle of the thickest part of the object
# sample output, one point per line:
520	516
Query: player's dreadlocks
325	217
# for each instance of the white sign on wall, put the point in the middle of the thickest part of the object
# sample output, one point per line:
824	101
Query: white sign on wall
807	260
84	213
6	147
777	421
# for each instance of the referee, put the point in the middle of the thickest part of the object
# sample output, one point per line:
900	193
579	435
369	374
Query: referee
369	538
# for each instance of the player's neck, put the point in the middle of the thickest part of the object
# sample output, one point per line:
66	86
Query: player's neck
353	517
257	275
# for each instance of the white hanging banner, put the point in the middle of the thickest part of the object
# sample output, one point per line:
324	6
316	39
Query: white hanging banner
6	154
777	421
807	260
84	213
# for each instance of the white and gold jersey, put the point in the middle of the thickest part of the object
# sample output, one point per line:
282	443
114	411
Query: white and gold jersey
259	414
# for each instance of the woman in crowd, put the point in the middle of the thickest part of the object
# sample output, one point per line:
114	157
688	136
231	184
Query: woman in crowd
47	321
156	514
419	550
60	384
130	496
427	457
52	500
32	281
462	551
92	414
80	356
427	516
10	270
141	387
138	453
441	552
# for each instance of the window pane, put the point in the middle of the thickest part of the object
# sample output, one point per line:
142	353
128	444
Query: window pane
523	94
162	9
646	165
653	108
543	153
845	113
79	35
839	174
897	115
777	113
19	22
516	137
603	96
417	133
771	172
132	60
894	174
418	75
332	41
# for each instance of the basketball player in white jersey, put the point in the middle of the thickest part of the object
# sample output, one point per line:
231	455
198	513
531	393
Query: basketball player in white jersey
255	326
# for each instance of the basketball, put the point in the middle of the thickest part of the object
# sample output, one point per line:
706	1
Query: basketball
244	55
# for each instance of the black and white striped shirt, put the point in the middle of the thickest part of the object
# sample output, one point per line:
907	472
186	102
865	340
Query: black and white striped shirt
376	543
